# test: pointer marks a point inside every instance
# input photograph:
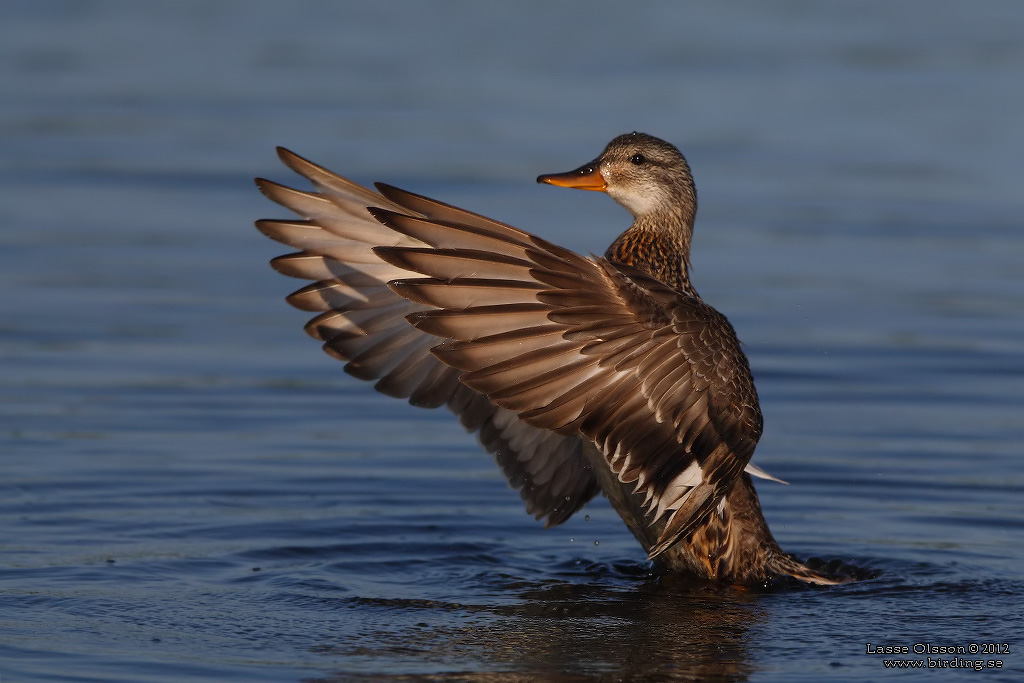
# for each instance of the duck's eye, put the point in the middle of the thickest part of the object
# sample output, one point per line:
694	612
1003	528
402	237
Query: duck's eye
638	159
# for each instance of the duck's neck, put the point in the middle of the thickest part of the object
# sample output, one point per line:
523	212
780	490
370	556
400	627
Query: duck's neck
659	244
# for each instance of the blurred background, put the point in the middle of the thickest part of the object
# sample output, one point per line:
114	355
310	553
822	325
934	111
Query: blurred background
191	488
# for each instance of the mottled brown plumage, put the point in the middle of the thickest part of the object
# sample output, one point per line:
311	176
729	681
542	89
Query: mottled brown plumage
580	374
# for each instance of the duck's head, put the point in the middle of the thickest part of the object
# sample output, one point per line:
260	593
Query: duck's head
646	175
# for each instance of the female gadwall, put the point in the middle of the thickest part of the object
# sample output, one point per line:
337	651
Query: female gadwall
579	374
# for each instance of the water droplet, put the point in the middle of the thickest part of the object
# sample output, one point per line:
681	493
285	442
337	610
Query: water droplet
586	518
597	542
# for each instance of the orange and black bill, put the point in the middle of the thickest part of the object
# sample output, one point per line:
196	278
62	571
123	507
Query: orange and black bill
586	177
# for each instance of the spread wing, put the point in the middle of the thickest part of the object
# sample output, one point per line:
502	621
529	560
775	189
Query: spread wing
362	322
654	378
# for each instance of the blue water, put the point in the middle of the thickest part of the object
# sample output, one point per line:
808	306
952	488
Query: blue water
191	490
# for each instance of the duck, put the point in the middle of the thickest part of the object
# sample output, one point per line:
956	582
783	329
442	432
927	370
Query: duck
581	375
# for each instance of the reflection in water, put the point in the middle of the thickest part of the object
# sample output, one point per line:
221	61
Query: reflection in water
627	628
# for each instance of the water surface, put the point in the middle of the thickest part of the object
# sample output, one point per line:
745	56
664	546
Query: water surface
191	490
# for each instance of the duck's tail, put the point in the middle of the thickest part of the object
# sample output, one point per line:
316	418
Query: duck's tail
782	564
818	571
734	545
